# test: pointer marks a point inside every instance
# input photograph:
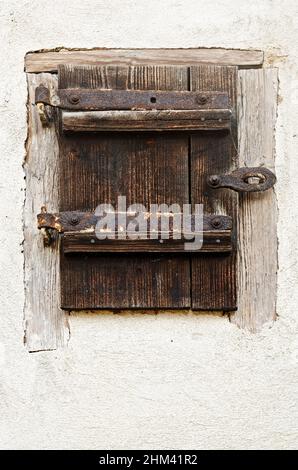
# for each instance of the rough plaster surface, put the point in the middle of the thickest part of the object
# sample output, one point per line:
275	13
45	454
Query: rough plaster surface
155	381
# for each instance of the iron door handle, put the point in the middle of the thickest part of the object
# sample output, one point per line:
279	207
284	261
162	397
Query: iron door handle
245	179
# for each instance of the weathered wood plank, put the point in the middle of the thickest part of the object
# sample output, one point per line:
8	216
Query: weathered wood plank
36	62
257	235
214	277
45	323
214	241
125	121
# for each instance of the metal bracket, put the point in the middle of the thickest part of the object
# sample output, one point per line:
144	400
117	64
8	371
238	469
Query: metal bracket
42	104
46	229
244	179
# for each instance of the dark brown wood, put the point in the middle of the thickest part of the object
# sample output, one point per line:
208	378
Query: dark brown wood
214	278
147	169
213	241
151	169
103	121
125	281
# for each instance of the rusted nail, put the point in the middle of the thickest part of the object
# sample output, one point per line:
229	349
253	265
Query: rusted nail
216	222
202	99
213	180
47	237
43	114
74	99
74	220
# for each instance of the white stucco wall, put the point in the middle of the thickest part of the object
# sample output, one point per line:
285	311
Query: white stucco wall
133	381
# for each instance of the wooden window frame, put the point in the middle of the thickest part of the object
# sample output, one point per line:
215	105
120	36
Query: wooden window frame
46	325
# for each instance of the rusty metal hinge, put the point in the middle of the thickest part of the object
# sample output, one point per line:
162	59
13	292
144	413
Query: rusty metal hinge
82	99
249	180
78	230
143	110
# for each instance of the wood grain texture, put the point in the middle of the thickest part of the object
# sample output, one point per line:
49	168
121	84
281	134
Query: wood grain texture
214	277
214	241
145	121
45	323
257	235
151	169
37	62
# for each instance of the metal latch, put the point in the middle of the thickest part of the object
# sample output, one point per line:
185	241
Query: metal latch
249	180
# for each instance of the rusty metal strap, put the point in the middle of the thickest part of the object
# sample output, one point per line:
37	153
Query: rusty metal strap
100	99
76	221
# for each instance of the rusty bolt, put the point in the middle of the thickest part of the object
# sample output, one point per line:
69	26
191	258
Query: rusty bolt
214	180
74	220
74	99
216	222
202	99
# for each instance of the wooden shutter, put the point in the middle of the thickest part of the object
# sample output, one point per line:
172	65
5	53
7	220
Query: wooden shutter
169	167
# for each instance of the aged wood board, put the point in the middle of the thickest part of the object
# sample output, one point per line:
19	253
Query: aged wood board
48	61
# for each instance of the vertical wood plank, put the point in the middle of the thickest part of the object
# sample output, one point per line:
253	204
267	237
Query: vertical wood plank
45	323
214	277
147	169
257	235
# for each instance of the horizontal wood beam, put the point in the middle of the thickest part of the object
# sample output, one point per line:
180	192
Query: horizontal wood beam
213	241
95	121
36	62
